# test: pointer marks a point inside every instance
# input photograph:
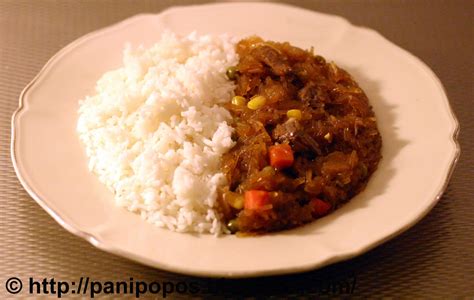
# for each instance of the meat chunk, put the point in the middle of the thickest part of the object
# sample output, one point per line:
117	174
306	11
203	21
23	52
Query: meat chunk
292	132
272	58
286	132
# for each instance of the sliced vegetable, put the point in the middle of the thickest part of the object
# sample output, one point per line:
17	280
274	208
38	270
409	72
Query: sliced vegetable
256	102
294	113
239	101
256	199
320	207
281	156
231	73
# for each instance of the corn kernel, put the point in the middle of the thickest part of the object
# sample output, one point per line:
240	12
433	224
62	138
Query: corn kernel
294	113
239	101
238	202
256	102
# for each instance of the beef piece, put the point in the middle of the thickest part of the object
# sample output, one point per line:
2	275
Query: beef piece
291	132
286	132
272	58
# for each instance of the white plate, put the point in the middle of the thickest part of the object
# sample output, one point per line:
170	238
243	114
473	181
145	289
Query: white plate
417	126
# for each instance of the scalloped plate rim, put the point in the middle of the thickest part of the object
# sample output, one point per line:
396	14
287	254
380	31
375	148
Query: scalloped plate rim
97	242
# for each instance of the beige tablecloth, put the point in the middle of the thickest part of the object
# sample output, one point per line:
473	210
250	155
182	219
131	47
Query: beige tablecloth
434	259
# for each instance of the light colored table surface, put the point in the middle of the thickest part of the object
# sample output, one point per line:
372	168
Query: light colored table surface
434	259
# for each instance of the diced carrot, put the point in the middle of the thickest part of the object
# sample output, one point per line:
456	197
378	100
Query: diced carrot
281	156
320	207
256	199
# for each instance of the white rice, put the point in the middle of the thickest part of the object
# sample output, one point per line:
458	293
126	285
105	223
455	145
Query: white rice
154	132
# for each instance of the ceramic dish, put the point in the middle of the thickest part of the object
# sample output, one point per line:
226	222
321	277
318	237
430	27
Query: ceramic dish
417	126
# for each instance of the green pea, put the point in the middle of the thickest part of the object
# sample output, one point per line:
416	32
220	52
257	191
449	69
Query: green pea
231	73
233	225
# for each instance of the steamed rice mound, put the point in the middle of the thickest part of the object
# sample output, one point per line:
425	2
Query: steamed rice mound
154	131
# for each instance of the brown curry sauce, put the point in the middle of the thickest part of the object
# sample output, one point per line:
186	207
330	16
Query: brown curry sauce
333	136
